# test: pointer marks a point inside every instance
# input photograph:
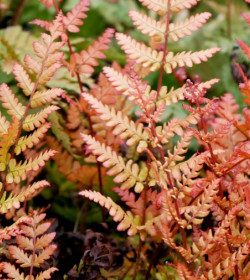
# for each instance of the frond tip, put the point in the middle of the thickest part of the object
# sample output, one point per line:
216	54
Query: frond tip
125	218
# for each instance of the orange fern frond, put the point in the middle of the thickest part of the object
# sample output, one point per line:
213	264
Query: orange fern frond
4	125
139	52
178	30
125	218
126	173
48	3
245	48
36	120
13	201
10	102
160	6
23	79
33	250
8	141
121	125
29	141
47	96
74	18
187	58
85	61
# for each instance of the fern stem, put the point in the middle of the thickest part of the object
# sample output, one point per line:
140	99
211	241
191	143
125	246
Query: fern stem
18	12
183	234
33	254
137	259
88	116
153	259
164	53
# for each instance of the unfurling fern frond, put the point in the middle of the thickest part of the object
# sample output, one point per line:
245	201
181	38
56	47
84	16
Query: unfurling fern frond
121	125
126	173
74	18
125	218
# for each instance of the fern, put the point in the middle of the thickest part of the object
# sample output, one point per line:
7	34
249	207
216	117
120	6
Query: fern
34	249
18	171
126	173
74	18
125	218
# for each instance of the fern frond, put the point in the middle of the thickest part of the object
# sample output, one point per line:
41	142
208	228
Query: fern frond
87	59
31	256
48	73
125	218
161	6
13	230
36	120
140	52
175	126
196	213
12	271
13	201
121	125
4	125
42	23
28	141
149	26
180	148
245	48
174	95
46	274
184	273
10	102
181	29
32	63
117	79
7	141
18	171
190	167
21	257
74	18
126	173
48	3
23	79
44	255
47	96
187	58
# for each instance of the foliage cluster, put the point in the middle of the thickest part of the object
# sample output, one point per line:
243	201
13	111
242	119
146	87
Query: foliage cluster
170	165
